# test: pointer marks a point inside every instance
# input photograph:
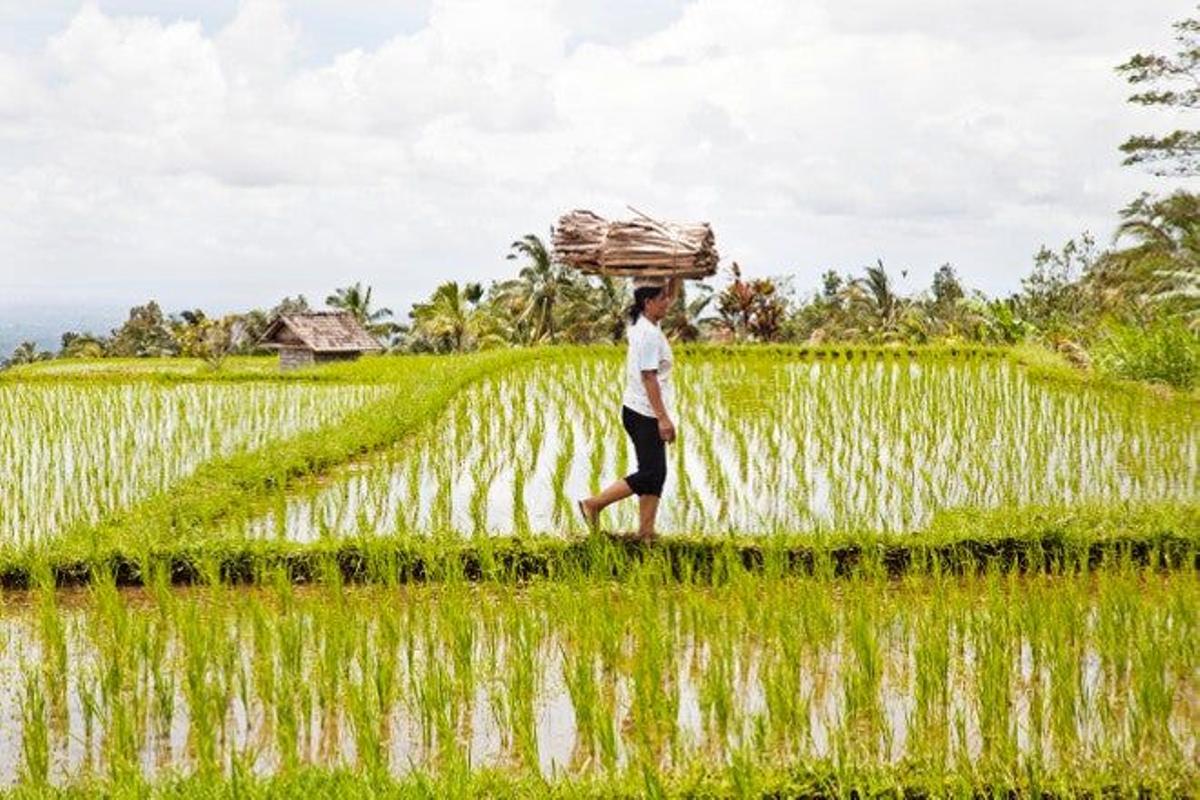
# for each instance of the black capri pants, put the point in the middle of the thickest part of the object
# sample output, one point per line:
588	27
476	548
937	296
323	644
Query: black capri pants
651	453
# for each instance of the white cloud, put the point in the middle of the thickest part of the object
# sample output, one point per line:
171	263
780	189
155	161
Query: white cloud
216	164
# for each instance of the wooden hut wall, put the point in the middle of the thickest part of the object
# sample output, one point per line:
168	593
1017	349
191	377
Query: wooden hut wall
295	357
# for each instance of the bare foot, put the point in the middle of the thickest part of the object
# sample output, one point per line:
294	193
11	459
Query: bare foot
647	538
591	517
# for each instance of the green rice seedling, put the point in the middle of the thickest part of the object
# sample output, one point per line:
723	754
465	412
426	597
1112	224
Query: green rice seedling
367	711
654	710
535	439
522	680
1065	676
861	685
563	515
520	514
992	634
929	724
386	675
717	700
787	696
201	689
89	708
53	652
163	682
1153	693
333	643
291	698
597	450
35	736
263	646
579	653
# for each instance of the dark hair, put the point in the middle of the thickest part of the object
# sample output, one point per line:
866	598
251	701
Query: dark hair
640	296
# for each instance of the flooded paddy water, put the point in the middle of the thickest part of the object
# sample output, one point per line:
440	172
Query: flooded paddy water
1058	674
766	444
74	452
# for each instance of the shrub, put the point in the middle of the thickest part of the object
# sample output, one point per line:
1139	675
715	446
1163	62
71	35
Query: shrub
1164	351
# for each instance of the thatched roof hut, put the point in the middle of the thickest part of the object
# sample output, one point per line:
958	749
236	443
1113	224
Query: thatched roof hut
315	337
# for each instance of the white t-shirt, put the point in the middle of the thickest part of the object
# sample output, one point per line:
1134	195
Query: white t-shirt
648	349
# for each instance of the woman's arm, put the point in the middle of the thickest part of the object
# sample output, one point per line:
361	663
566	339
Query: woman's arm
666	428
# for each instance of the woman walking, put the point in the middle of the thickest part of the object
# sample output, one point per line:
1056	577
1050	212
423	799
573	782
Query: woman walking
646	411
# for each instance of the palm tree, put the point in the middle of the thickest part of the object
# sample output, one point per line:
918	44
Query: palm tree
1163	266
358	303
26	353
683	318
610	304
537	290
874	295
451	315
1181	286
1170	224
883	300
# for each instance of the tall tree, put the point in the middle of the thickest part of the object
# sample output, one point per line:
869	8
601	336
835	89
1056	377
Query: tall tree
881	298
450	316
537	291
1169	225
145	333
199	336
26	353
831	287
81	345
683	317
1171	82
1051	297
609	305
248	329
357	301
1163	266
873	300
947	289
1181	288
751	308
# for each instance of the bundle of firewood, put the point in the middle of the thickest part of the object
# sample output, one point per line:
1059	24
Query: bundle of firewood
641	247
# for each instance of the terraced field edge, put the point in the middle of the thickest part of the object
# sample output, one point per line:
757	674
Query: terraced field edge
820	781
1046	541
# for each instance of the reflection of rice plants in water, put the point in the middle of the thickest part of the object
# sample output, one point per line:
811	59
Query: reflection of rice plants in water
73	452
998	679
767	444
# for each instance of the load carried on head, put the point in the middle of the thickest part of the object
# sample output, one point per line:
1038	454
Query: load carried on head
637	248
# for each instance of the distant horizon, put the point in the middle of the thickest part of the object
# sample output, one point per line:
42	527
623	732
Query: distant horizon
43	322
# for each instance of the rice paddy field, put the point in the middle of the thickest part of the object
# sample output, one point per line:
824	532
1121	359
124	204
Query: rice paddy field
61	468
924	572
769	446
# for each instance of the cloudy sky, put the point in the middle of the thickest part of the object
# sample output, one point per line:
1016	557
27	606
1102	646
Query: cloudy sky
224	154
